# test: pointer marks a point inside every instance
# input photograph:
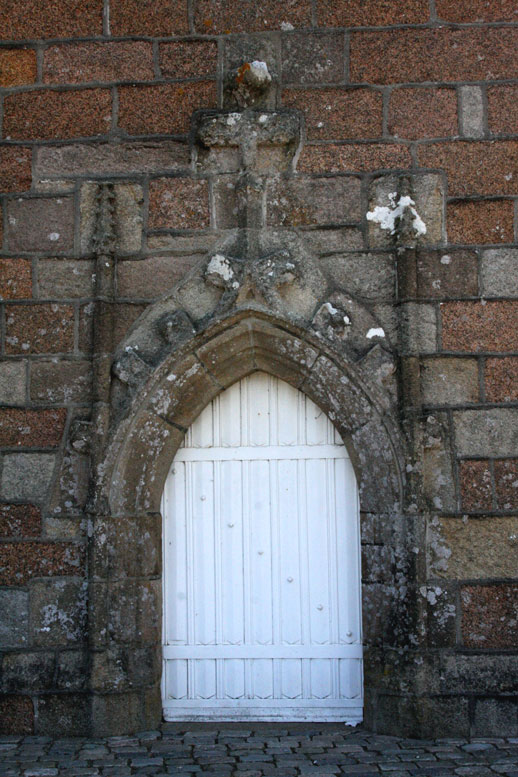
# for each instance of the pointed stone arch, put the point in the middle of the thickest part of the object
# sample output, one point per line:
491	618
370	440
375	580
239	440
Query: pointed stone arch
125	558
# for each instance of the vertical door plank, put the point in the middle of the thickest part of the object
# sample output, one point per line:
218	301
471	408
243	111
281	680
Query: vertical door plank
229	417
203	559
289	550
257	409
175	546
348	553
260	553
232	551
318	552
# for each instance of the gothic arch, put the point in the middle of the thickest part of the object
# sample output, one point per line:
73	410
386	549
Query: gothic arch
125	593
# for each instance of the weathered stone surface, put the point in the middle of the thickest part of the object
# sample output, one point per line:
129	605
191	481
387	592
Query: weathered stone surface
471	117
126	547
376	599
436	274
57	612
152	277
41	224
480	221
63	278
428	194
368	276
40	328
304	201
450	381
64	527
196	297
178	203
500	379
21	428
438	628
486	432
14	624
12	382
105	159
506	483
250	86
478	548
487	674
26	476
60	381
120	668
127	216
476	486
228	202
348	326
71	670
475	327
418	329
239	49
320	242
499	272
376	564
377	470
16	715
393	219
130	368
441	715
182	245
27	672
135	611
437	465
378	368
345	404
186	390
19	521
496	717
229	355
136	487
15	279
489	615
63	713
117	713
71	485
21	561
116	320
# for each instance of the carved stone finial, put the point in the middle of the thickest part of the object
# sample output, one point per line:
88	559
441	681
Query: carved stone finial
249	85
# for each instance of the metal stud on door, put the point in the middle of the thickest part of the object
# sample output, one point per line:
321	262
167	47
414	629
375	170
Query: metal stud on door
262	564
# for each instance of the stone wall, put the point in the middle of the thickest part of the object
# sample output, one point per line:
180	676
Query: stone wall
348	224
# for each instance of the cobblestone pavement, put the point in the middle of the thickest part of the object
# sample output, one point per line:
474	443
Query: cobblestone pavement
254	751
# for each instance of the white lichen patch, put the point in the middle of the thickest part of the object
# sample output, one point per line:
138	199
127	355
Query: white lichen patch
259	70
219	265
375	332
330	308
335	312
389	216
430	594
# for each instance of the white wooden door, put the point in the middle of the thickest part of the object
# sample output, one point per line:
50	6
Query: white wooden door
262	564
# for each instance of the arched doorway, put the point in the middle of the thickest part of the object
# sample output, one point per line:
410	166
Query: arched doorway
262	613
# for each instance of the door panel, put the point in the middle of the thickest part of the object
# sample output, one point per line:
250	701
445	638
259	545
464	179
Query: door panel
261	563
